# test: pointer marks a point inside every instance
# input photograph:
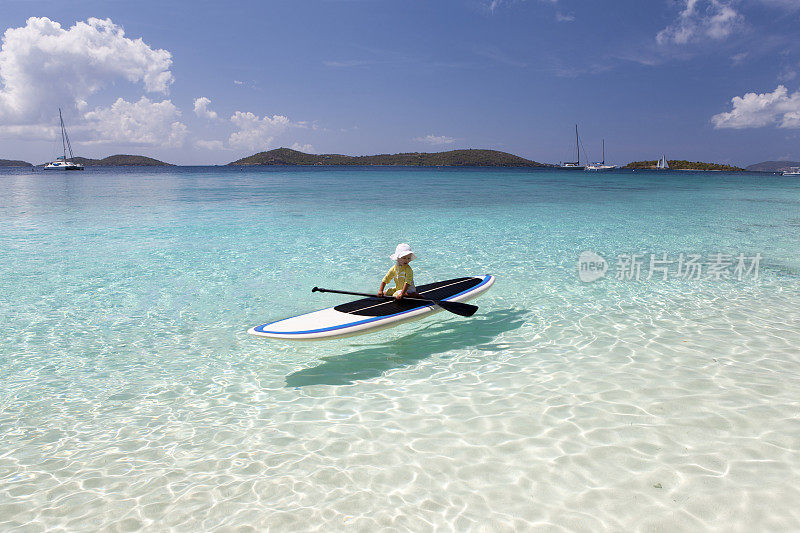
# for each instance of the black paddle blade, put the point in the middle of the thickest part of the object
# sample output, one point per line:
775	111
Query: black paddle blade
458	307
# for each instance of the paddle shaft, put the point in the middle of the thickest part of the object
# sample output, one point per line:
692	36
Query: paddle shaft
458	308
317	289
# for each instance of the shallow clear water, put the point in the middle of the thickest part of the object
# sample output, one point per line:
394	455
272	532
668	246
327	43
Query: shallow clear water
131	395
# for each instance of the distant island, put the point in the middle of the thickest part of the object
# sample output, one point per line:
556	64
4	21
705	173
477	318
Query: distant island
453	158
14	163
773	166
119	160
682	165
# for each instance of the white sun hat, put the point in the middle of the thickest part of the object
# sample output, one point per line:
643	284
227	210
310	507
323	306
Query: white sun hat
402	250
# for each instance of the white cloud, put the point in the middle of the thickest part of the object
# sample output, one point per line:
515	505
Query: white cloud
347	63
788	72
209	145
307	148
738	59
789	5
256	133
252	132
201	108
43	65
562	17
700	19
758	110
30	132
142	122
247	84
495	54
492	5
435	140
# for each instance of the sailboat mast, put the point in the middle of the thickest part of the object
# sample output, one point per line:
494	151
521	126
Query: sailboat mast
604	151
577	145
63	133
69	144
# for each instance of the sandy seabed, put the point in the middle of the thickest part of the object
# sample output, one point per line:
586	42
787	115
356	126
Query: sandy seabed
597	422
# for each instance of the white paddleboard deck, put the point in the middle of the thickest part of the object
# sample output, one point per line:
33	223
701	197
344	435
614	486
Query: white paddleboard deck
371	314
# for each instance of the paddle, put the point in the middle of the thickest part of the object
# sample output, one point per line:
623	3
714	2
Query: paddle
454	307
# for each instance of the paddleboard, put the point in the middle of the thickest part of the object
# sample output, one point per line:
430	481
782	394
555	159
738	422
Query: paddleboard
371	314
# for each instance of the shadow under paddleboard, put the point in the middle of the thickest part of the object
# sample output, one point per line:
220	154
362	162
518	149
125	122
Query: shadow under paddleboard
368	363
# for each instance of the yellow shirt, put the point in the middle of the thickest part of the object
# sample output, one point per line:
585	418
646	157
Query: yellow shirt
401	275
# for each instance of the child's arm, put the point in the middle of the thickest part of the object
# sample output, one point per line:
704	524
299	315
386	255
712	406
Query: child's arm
402	293
386	279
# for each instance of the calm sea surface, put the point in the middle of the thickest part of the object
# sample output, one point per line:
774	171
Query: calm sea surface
132	397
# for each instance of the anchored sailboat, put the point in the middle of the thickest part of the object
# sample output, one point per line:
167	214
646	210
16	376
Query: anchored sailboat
601	165
662	163
574	165
62	163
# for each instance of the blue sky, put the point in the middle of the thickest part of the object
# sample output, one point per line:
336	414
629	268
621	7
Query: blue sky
209	82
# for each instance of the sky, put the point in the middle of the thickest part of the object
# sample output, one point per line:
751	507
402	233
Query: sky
206	82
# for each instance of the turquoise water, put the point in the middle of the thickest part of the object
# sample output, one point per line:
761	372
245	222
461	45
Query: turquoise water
132	396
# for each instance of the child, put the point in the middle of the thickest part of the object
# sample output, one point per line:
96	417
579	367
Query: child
401	273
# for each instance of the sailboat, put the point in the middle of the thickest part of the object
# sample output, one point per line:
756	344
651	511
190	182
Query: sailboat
62	163
601	165
662	163
574	165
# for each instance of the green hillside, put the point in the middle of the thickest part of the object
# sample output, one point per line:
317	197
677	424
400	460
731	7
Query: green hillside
14	163
680	164
453	158
120	160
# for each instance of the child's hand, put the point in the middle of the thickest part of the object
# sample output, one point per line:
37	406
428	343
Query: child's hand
399	295
380	294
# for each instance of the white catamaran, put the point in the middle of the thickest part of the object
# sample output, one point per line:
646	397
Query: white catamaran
62	163
662	163
600	166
